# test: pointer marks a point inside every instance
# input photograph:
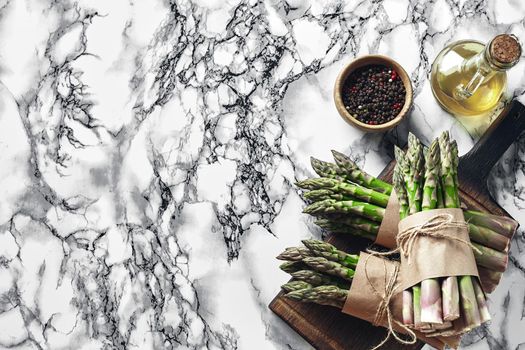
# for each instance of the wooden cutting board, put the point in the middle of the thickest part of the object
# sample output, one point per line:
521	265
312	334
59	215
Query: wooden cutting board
326	327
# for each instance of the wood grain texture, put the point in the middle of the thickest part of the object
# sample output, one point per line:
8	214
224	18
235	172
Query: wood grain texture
326	327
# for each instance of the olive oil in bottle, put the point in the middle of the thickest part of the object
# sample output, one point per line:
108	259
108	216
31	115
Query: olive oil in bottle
469	78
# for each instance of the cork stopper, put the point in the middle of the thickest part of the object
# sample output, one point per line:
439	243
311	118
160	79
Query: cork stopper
505	49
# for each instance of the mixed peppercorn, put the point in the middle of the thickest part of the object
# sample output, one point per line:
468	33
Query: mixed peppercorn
374	94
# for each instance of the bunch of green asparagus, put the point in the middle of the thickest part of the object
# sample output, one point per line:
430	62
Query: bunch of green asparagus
425	181
347	200
322	273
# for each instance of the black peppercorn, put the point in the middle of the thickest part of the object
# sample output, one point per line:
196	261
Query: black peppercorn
374	94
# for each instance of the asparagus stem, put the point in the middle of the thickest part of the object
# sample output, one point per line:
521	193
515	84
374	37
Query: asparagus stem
454	170
416	294
431	299
318	279
357	222
321	195
336	227
431	304
431	178
330	206
408	307
503	225
324	295
482	302
328	251
488	237
450	291
399	183
490	258
295	285
351	190
360	177
469	304
323	265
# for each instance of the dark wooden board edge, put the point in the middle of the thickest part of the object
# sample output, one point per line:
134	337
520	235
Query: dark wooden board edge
475	166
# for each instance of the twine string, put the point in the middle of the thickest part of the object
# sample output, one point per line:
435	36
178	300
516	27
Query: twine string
383	309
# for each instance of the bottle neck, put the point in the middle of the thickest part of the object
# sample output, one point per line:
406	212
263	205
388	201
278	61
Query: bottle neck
479	68
484	63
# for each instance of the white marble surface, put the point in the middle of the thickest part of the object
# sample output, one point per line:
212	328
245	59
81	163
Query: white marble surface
148	151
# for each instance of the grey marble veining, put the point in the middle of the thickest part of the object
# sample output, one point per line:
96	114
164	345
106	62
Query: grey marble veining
149	151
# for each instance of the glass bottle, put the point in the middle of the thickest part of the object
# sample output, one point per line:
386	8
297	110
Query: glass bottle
469	78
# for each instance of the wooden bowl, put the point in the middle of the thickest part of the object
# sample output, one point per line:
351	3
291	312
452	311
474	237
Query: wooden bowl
364	61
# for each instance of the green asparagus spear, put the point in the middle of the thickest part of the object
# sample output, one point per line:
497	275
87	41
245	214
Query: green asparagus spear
399	183
360	177
356	222
488	238
450	193
482	302
295	285
328	251
431	299
408	308
323	295
295	254
416	294
449	163
450	290
342	228
455	160
351	190
502	225
318	279
413	173
490	258
324	265
331	206
325	169
292	266
321	195
469	303
431	178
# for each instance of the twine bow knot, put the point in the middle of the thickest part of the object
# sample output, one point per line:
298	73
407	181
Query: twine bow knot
434	227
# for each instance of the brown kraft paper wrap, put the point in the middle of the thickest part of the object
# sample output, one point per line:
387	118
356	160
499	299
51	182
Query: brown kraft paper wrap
372	276
386	236
443	250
